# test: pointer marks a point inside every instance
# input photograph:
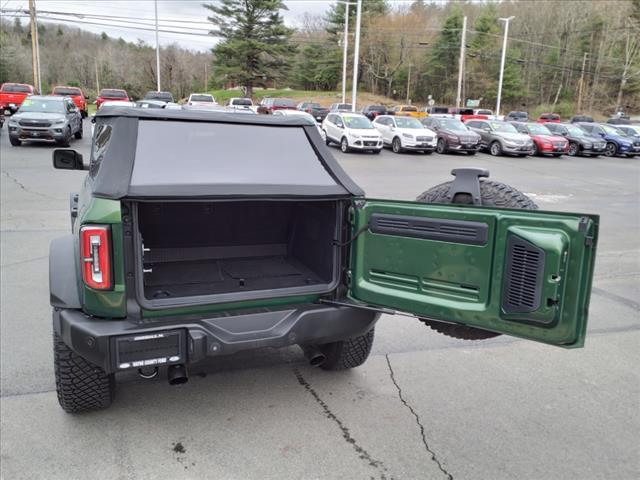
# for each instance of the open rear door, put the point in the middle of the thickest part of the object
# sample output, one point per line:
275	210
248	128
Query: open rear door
525	273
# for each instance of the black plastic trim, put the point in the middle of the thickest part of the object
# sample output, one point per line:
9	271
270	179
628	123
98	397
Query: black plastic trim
63	279
224	333
522	288
454	231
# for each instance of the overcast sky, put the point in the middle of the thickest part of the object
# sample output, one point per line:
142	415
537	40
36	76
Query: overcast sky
168	10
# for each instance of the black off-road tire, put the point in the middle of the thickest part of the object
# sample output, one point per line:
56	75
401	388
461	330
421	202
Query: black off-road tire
493	194
347	354
81	386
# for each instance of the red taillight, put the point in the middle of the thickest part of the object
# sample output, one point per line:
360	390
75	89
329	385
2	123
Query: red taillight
95	255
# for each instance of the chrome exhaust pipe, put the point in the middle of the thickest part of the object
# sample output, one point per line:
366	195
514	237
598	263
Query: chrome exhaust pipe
177	374
314	355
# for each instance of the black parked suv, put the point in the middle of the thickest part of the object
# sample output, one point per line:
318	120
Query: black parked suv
372	111
517	117
453	135
250	245
580	142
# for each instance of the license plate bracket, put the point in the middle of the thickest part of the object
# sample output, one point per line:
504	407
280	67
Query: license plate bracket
150	349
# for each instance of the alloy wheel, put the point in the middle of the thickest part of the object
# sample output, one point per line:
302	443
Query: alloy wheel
396	145
573	149
611	150
344	145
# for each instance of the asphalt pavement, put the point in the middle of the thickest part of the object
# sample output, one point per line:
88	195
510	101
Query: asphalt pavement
424	406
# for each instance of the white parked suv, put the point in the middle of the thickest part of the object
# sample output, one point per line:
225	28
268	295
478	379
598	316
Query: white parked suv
405	133
352	131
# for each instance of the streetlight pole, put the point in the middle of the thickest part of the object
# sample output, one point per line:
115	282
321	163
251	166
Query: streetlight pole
356	54
157	47
345	40
504	52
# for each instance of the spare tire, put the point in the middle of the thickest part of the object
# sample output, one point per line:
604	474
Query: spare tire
492	194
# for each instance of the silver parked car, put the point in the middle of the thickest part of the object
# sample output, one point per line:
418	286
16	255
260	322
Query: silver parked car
501	137
50	118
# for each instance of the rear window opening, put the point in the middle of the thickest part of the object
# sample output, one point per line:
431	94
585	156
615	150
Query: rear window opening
208	252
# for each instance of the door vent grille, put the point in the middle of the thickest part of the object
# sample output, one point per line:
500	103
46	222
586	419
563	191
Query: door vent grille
454	231
523	276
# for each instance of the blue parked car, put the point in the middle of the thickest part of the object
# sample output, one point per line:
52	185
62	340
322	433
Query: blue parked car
618	143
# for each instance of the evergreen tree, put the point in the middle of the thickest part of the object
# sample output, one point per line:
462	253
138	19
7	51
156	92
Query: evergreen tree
442	64
255	46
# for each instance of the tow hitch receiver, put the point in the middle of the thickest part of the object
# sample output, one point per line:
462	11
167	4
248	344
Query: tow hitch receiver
152	349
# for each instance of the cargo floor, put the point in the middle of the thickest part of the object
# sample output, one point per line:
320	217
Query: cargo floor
206	277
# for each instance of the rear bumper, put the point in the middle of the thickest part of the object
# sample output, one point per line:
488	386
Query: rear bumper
95	339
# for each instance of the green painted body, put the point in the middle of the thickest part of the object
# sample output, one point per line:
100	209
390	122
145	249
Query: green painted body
463	284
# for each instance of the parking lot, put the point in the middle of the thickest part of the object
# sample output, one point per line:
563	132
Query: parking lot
424	406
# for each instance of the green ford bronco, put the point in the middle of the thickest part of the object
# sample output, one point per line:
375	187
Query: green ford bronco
200	234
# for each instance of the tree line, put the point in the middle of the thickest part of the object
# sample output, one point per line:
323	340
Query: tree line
557	51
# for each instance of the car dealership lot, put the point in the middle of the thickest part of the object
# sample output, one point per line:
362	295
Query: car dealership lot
423	406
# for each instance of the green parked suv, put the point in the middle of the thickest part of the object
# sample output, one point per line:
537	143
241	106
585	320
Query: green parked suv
189	243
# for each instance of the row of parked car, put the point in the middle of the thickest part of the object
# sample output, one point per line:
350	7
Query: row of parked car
354	131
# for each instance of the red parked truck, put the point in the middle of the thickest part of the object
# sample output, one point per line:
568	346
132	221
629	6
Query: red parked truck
76	94
111	95
12	95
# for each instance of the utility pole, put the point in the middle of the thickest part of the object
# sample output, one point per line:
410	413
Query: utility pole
356	54
581	83
97	77
155	2
504	52
461	62
409	81
35	48
206	78
345	48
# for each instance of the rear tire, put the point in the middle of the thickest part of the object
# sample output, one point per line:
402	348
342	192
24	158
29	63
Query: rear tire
492	194
347	354
81	386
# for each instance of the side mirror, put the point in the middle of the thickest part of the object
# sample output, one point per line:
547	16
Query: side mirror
486	129
339	125
67	159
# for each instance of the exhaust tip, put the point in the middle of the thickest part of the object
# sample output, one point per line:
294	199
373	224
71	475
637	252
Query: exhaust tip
314	355
317	360
177	375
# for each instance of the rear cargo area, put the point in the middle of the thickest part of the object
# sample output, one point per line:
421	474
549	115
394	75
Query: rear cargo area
210	248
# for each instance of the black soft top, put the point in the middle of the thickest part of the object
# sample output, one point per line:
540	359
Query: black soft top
158	153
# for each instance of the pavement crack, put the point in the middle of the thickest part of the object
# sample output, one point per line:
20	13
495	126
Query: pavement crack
362	453
25	188
434	458
28	260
